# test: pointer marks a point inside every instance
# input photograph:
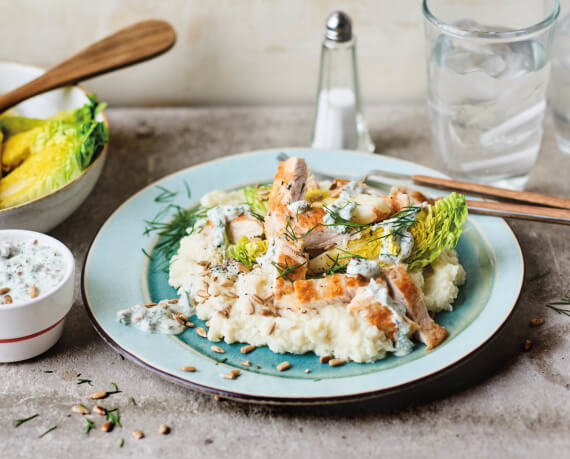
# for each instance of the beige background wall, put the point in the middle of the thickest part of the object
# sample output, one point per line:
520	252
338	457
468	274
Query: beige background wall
228	51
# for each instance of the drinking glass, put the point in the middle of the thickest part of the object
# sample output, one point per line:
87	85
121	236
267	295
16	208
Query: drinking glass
488	69
559	89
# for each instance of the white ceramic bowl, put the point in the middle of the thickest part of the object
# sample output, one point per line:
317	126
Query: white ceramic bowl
46	212
30	328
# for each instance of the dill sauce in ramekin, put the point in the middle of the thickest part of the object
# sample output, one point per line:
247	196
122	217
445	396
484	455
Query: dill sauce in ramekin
28	269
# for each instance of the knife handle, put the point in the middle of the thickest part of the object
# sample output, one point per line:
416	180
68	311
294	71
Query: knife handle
491	191
520	211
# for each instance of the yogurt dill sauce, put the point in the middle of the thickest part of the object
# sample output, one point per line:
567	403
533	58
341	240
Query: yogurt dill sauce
28	269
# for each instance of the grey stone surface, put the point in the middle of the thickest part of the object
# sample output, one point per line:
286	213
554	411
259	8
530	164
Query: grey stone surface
502	402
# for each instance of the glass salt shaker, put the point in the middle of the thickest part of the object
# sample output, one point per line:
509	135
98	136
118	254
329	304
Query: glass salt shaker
339	122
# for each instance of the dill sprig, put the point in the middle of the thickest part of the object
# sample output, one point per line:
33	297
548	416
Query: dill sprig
114	416
89	426
171	232
339	221
564	301
285	269
166	195
399	222
19	422
84	381
47	431
115	391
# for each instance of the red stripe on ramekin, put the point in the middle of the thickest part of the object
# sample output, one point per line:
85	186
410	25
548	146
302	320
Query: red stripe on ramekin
24	338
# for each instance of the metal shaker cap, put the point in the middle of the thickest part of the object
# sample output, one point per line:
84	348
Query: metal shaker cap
339	27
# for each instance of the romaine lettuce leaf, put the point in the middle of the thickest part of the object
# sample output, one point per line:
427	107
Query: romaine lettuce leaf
251	194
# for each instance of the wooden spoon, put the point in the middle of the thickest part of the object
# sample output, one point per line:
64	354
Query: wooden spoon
136	43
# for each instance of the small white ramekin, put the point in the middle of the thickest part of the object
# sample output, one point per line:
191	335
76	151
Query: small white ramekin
30	328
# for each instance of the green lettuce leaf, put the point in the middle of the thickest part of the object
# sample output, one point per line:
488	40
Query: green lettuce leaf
251	194
437	227
246	251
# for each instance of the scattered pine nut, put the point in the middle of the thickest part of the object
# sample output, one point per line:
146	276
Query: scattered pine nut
98	395
201	332
536	322
228	283
325	358
247	349
173	301
218	349
250	308
271	328
33	291
266	312
189	369
163	429
4	290
99	410
232	374
180	319
79	409
107	427
150	305
336	362
246	363
307	370
7	299
527	345
267	298
217	398
284	366
208	324
257	367
190	324
202	293
257	298
137	434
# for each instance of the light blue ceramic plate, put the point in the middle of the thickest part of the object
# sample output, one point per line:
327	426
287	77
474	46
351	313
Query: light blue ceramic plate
117	274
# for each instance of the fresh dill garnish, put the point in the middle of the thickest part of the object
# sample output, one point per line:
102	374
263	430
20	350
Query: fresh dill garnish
171	232
165	195
564	301
47	431
399	222
351	227
116	391
48	371
188	191
19	422
285	270
336	267
114	416
352	255
260	217
84	381
122	357
122	442
290	231
83	406
133	401
89	426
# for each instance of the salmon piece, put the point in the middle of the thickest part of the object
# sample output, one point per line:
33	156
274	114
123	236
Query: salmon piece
405	291
244	225
378	314
317	293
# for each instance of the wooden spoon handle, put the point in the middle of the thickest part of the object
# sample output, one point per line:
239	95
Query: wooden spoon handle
520	211
133	44
491	191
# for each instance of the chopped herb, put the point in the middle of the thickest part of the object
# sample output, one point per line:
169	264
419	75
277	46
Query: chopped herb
114	416
165	195
121	355
121	443
19	422
89	426
171	232
84	381
115	391
564	301
222	360
399	222
285	270
48	371
188	191
290	231
47	431
256	215
133	401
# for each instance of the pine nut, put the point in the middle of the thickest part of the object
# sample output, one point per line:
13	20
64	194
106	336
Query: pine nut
98	395
247	349
137	434
284	366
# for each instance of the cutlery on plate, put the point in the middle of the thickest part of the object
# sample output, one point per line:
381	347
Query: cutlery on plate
552	209
131	45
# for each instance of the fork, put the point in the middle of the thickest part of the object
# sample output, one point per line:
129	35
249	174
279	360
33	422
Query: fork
539	213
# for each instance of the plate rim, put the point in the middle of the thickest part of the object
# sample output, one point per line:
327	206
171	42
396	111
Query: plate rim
284	400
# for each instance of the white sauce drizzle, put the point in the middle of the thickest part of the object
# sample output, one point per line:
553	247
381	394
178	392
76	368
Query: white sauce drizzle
403	344
158	318
343	206
220	216
364	267
298	207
